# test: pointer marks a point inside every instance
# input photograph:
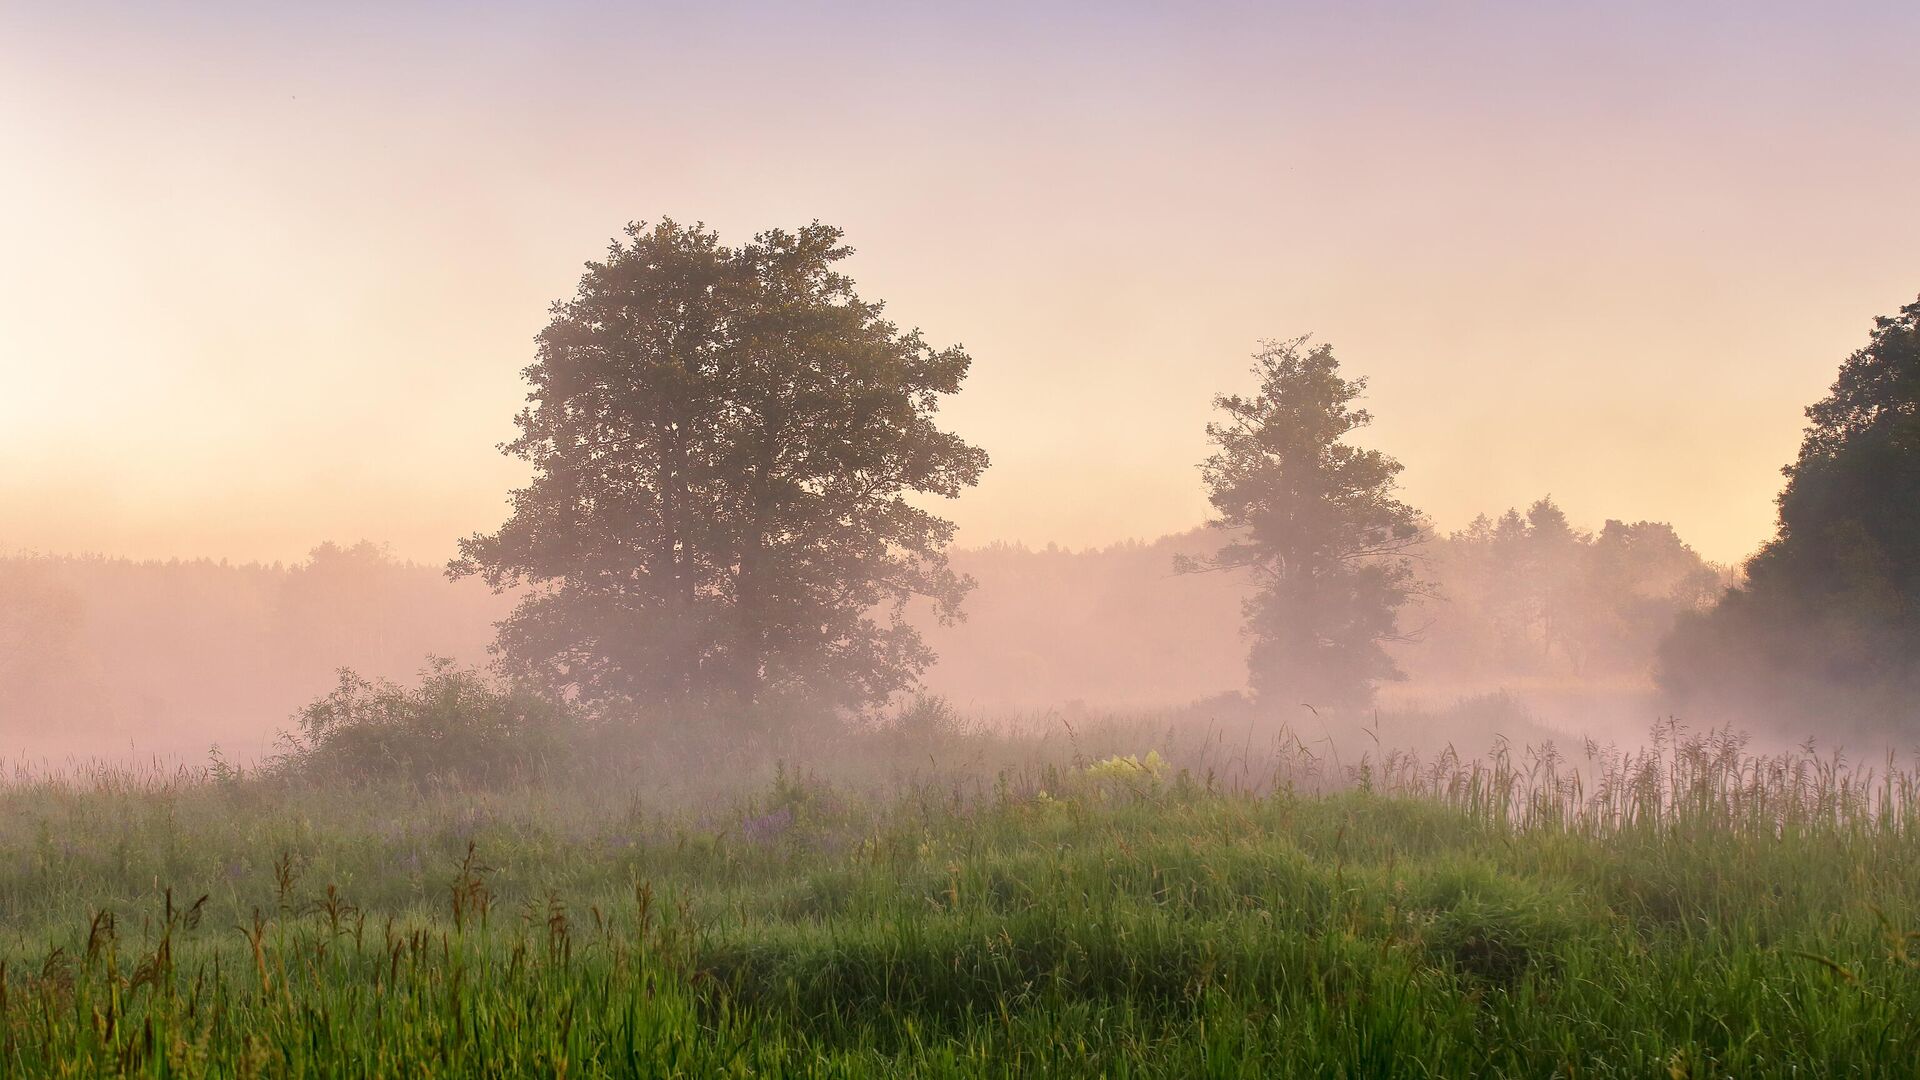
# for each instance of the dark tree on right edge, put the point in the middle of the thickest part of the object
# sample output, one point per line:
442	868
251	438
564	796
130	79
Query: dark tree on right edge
1827	624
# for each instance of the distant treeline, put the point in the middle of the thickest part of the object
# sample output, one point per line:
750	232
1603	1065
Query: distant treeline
1521	598
173	654
1530	595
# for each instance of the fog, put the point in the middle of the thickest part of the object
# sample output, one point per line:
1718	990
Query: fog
136	660
350	227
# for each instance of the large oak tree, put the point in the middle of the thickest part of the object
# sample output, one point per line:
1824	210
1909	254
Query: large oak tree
725	442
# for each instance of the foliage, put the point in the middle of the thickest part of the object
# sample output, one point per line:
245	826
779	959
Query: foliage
455	726
1830	612
724	442
1691	910
1130	772
1316	522
1152	765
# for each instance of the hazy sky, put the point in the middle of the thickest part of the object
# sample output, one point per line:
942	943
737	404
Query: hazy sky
268	274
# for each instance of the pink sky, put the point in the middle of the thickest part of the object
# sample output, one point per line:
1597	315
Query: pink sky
270	273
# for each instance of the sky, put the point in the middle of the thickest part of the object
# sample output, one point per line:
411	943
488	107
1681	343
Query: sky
269	273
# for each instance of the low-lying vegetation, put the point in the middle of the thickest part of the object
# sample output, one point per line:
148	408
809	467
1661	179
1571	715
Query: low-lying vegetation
457	726
1690	910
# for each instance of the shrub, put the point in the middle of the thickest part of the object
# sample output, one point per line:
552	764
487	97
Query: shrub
929	715
456	726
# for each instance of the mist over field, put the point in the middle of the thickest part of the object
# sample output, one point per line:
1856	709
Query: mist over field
996	540
130	660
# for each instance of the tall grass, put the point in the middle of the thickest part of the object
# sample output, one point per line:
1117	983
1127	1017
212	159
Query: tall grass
1685	908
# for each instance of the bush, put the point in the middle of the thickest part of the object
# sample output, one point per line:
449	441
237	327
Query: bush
456	726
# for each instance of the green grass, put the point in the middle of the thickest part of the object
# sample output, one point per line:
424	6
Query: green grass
1691	911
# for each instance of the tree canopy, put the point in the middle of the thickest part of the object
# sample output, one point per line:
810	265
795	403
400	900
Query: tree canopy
725	442
1833	601
1849	524
1316	521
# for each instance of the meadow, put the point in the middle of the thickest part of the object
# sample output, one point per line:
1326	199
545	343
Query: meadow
1083	908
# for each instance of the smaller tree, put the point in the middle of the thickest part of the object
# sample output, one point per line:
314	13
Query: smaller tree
1316	522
